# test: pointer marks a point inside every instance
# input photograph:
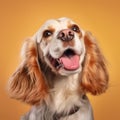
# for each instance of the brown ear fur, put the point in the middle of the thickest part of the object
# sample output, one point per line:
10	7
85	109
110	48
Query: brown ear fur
95	75
27	83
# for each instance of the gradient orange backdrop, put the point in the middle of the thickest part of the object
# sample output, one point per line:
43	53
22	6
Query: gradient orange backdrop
20	19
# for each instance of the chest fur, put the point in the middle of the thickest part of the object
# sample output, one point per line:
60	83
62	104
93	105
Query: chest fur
65	93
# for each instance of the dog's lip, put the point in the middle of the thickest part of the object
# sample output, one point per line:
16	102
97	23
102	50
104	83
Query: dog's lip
55	62
70	56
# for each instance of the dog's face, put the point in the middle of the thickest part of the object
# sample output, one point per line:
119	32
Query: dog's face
62	45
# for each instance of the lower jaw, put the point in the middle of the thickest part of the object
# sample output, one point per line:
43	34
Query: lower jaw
65	72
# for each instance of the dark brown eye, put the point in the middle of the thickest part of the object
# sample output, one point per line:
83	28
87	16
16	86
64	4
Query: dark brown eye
75	28
47	33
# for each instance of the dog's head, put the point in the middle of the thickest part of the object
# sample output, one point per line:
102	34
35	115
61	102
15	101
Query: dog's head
63	48
61	45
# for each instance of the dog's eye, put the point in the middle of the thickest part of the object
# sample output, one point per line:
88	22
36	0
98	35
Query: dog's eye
75	28
47	33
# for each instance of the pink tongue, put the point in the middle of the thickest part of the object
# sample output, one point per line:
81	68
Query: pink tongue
70	63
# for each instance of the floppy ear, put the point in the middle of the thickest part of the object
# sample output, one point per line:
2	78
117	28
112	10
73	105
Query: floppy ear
95	75
27	83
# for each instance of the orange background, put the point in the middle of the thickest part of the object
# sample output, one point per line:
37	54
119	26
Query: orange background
20	19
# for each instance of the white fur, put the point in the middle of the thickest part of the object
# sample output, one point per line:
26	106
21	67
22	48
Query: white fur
65	93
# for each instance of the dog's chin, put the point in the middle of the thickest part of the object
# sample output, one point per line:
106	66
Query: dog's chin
68	63
65	72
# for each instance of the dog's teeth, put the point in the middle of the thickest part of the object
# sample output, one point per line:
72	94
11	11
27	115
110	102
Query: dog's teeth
58	61
55	62
59	66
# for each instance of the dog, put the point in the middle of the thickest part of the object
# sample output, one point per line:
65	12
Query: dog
60	64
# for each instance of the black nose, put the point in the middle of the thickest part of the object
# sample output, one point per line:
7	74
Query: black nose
66	35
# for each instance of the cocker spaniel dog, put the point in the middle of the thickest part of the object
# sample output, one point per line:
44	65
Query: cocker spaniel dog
60	64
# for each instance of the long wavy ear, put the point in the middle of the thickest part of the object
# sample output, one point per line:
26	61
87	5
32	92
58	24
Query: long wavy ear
27	83
95	75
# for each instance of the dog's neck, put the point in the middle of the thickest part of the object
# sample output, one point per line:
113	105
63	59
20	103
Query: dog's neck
65	93
64	90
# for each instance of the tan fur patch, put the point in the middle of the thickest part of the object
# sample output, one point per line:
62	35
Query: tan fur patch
70	26
95	75
69	43
27	83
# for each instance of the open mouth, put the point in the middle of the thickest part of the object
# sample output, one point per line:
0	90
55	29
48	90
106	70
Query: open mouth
69	60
